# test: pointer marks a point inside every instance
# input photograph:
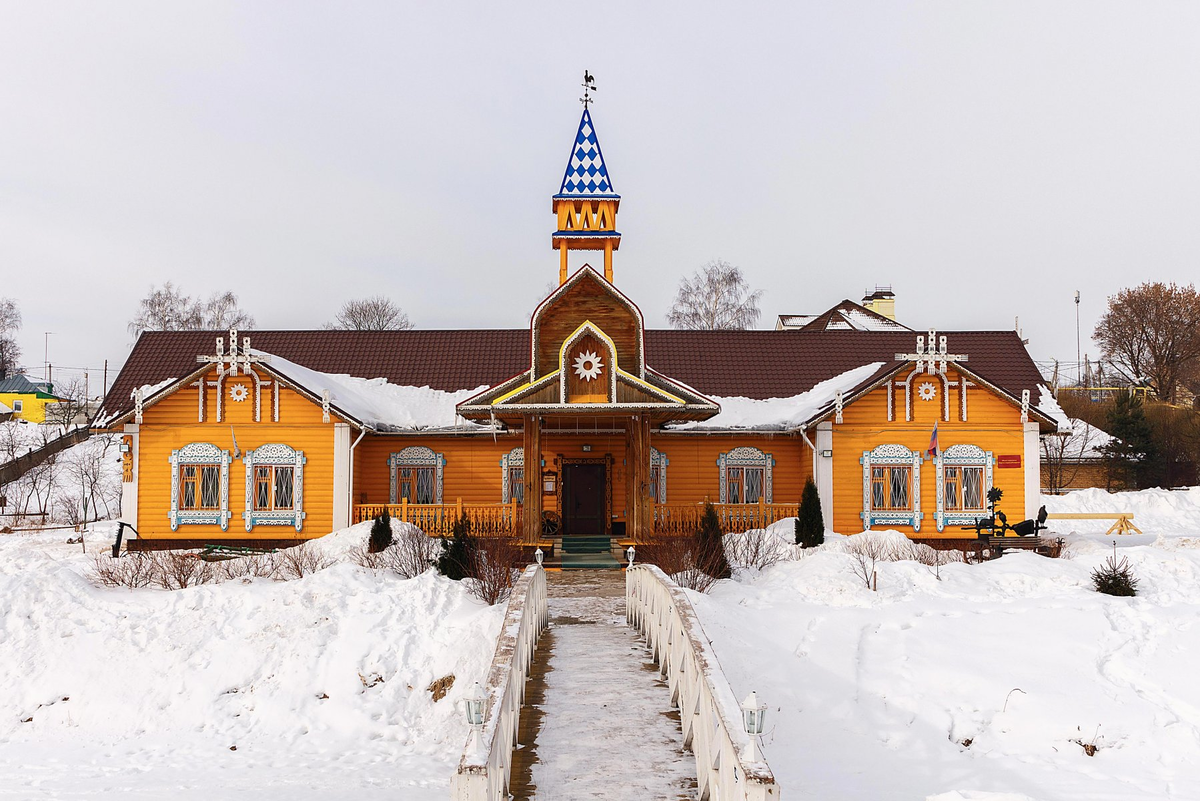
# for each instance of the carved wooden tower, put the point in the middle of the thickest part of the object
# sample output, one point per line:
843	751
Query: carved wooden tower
586	205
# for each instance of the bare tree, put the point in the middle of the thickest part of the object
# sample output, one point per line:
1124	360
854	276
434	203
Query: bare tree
716	297
1152	332
375	313
1062	455
221	311
167	308
10	324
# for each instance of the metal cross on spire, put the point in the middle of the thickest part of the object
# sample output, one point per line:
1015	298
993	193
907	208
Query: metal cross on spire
589	85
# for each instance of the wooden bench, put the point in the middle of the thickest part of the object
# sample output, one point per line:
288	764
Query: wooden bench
1123	525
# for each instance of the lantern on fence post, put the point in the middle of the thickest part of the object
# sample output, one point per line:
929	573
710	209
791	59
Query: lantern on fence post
629	553
754	715
474	703
539	556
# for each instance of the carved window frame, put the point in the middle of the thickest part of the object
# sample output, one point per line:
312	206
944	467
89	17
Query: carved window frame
275	454
199	453
512	459
659	460
746	456
884	455
416	456
961	456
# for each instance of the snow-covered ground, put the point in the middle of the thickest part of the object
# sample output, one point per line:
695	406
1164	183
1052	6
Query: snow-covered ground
320	684
876	694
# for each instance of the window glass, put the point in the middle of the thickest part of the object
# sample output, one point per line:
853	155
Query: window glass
283	487
733	484
516	484
890	487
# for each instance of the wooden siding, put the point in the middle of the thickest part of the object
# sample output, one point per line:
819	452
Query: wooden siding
587	300
172	423
472	470
993	423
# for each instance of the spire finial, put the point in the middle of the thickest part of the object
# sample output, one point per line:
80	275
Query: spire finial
589	85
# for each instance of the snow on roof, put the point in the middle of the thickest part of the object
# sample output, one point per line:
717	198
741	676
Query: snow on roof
1048	405
869	322
781	414
1085	441
377	404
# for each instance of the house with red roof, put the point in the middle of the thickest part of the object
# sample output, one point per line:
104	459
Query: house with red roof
585	427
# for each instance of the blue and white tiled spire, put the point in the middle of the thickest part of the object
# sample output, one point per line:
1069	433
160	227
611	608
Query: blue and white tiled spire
586	175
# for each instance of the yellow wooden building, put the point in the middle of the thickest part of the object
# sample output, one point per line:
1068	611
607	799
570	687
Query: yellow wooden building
584	424
27	399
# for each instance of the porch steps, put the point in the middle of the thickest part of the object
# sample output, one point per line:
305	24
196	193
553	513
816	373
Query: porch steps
590	553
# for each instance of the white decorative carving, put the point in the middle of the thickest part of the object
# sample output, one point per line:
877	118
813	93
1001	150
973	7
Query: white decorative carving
838	406
960	455
277	455
239	392
892	454
927	391
416	456
514	458
325	406
588	365
199	453
659	459
1024	406
745	456
587	328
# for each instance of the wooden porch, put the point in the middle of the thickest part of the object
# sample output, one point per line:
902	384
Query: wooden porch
507	519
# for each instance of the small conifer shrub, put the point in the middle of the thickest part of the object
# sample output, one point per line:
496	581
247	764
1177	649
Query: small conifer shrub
1115	577
810	524
381	534
457	559
710	545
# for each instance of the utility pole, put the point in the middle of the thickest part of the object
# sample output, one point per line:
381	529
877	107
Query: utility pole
46	355
1078	350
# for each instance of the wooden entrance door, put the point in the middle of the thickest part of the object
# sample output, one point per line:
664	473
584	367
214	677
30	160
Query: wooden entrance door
584	507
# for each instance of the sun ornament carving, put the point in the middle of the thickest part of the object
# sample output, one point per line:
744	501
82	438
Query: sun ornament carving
239	392
588	365
927	392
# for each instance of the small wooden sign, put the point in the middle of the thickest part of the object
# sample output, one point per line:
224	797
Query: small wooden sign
1008	460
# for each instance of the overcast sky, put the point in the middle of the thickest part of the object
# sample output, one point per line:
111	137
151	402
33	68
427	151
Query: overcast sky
986	159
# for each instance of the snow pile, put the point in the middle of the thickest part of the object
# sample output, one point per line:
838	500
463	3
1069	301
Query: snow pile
783	413
1083	442
377	403
320	684
974	686
1157	512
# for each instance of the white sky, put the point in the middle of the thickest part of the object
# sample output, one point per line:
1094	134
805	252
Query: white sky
987	159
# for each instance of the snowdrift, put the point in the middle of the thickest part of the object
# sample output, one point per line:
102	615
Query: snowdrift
315	688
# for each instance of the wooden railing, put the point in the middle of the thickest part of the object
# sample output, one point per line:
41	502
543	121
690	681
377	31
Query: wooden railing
728	766
683	519
436	519
485	767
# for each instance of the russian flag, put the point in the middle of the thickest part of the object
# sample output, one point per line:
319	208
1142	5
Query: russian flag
933	442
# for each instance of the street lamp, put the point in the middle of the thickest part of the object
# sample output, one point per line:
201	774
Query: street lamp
754	715
539	556
629	553
474	702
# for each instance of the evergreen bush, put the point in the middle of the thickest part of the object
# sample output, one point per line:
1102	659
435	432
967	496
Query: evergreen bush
1132	455
810	524
381	534
1115	578
457	559
710	545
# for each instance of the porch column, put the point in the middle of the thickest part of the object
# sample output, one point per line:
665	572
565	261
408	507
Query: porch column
343	498
1033	470
823	471
129	484
639	514
532	524
645	496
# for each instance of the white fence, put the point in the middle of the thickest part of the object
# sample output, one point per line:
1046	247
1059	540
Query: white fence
709	711
485	767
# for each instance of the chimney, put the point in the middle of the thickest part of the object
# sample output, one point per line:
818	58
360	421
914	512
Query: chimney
881	301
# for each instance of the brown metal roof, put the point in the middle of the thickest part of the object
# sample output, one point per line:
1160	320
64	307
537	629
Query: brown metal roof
753	364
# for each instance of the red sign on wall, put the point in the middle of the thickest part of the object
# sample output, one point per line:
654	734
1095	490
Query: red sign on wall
1008	460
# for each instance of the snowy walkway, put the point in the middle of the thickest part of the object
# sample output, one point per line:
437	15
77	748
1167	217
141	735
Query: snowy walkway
597	721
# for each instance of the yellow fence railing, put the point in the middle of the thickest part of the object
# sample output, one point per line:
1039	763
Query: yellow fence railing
437	519
682	519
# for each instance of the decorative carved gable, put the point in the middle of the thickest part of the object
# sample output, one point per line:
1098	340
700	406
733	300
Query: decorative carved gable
586	296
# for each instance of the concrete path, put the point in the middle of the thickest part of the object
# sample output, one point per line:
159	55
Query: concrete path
597	721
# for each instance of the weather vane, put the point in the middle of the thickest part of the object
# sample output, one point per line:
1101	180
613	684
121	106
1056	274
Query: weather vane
589	85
